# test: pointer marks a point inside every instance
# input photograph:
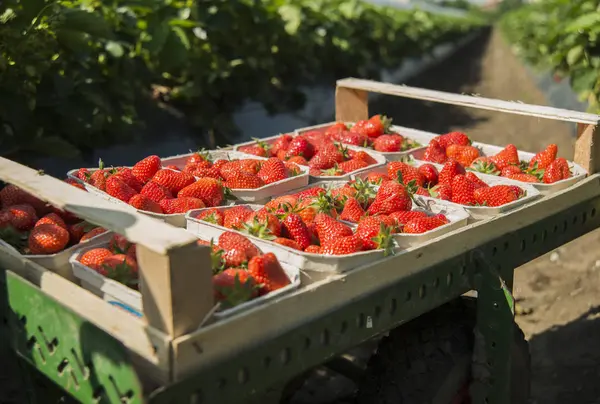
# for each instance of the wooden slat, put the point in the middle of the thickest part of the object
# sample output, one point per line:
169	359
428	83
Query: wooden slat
510	107
351	105
223	339
154	234
587	147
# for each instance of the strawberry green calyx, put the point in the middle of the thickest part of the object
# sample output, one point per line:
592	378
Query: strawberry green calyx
485	167
258	229
14	237
332	172
122	273
342	149
100	164
239	293
384	240
325	203
386	122
228	194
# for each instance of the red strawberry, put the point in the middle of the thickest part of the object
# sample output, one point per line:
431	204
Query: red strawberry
243	180
298	160
497	195
234	286
430	174
142	202
353	138
200	159
122	268
145	169
353	211
352	165
268	272
449	171
510	170
292	169
336	128
47	239
116	188
462	190
524	177
441	191
476	180
342	245
181	205
435	153
93	258
556	171
237	249
310	192
376	126
543	159
281	201
388	143
174	181
281	143
77	230
297	230
83	174
234	217
377	178
118	244
288	243
13	195
328	228
273	170
96	231
424	224
156	192
52	218
422	191
362	156
213	215
485	166
403	217
508	156
465	155
313	249
76	184
299	146
262	224
126	174
209	190
374	234
453	138
24	217
259	148
405	173
328	156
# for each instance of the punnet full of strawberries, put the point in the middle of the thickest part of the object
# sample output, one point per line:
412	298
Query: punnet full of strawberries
452	183
545	167
34	227
199	183
324	154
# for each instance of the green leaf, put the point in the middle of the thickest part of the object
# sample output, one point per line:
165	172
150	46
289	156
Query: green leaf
183	23
75	41
584	80
115	49
574	55
292	17
53	146
584	22
183	38
175	51
90	22
159	37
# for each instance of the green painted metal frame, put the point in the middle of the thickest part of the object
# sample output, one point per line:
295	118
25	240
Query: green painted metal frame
488	269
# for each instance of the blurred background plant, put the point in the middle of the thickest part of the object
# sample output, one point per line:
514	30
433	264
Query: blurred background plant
78	75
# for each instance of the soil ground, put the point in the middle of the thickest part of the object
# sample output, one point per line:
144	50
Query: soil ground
559	293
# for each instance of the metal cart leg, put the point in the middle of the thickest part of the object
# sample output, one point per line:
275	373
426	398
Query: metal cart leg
493	333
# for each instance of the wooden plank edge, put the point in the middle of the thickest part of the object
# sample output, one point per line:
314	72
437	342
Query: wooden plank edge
138	228
210	344
511	107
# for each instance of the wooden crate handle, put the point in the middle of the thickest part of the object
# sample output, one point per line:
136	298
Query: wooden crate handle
176	276
352	105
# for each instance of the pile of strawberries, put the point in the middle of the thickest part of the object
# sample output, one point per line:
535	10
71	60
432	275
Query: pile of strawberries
241	272
116	261
544	167
324	155
33	227
452	183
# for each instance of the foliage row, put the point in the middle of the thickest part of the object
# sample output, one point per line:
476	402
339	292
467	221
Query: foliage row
74	73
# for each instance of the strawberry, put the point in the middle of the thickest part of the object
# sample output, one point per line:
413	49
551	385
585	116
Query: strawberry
328	156
556	171
121	268
374	234
126	175
376	178
142	202
510	170
352	211
328	228
441	191
273	170
5	218
296	229
336	128
310	192
211	172
313	249
234	286
281	143
244	180
508	156
422	191
352	165
353	138
362	156
478	182
543	159
405	173
75	183
342	245
24	217
116	188
286	242
376	126
96	231
458	138
465	155
388	143
308	208
47	239
259	148
145	169
518	191
429	173
268	272
77	230
262	224
281	201
234	217
391	197
424	224
118	244
98	179
299	146
52	218
292	169
173	167
212	215
209	190
230	241
174	181
298	160
462	190
485	166
83	174
403	217
156	192
449	171
497	195
524	177
199	159
12	195
435	153
93	258
181	205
